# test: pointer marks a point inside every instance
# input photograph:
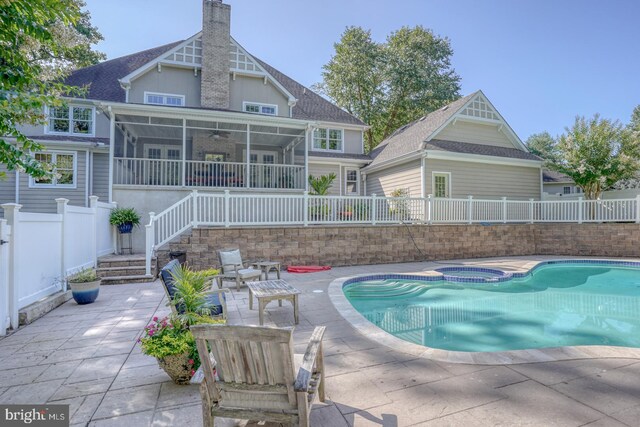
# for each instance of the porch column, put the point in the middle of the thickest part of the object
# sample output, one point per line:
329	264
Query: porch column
184	152
306	157
112	148
247	175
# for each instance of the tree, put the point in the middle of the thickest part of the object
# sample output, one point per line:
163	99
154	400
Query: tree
320	185
596	153
634	124
543	145
40	42
390	84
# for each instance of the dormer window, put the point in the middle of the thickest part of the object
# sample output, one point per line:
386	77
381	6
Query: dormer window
327	139
258	108
164	99
71	120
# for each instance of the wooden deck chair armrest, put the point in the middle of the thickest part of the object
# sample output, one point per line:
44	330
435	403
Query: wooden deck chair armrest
236	266
223	301
314	349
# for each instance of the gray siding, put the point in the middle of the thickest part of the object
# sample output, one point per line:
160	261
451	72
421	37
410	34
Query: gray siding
319	169
407	175
43	199
486	180
475	133
101	176
353	141
252	89
171	80
7	188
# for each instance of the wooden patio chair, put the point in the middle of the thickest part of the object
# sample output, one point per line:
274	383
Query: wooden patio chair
216	299
257	376
232	268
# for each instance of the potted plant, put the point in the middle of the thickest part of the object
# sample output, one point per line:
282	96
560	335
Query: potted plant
85	286
320	187
169	339
124	219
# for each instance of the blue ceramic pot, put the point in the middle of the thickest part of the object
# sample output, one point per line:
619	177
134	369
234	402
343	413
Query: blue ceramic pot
125	228
85	293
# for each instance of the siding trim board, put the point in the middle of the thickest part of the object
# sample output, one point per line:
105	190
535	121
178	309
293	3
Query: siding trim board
477	158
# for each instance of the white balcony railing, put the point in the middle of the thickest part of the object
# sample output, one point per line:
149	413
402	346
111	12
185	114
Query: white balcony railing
226	209
201	174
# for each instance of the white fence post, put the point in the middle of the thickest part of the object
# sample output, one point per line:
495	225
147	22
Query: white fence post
226	208
62	210
580	209
531	219
194	208
93	204
374	209
305	209
430	208
470	210
504	210
638	209
12	215
114	233
151	234
5	239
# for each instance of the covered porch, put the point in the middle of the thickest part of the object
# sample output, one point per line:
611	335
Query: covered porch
216	151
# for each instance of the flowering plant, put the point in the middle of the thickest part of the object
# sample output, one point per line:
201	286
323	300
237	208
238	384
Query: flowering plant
166	337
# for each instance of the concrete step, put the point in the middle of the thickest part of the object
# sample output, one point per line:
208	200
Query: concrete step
119	280
135	270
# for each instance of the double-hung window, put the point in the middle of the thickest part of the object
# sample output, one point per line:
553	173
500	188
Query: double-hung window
442	184
325	139
351	182
164	99
258	108
63	173
71	120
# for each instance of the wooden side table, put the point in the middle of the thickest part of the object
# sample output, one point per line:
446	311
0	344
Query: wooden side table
270	290
267	266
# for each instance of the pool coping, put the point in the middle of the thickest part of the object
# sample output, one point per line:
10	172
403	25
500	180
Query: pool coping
369	330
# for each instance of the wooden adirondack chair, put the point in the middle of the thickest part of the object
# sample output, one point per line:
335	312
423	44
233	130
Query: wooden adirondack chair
256	375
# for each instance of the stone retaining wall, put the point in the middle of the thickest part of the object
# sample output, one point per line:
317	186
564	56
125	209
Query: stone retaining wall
361	245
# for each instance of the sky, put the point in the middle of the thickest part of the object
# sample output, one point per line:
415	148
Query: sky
540	62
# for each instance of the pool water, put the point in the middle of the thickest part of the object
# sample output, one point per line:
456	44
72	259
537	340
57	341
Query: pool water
556	305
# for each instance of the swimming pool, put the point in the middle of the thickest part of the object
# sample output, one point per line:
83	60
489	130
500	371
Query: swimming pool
558	303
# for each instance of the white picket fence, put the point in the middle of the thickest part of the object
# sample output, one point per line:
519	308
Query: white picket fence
39	251
226	209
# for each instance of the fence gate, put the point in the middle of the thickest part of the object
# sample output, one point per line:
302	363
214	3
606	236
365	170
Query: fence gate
5	235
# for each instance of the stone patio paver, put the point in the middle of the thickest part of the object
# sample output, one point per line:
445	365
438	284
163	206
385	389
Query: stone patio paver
87	357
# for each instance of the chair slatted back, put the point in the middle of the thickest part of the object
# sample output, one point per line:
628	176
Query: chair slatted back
229	258
258	358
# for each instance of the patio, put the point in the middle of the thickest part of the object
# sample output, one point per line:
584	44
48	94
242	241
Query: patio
87	356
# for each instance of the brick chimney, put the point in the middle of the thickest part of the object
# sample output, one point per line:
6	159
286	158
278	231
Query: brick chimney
216	33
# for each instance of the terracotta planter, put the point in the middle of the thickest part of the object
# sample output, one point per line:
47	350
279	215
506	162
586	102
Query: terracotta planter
85	293
177	367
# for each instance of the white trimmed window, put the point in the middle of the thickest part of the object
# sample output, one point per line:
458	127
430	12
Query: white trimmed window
351	182
566	190
71	120
442	184
258	108
64	170
164	99
327	139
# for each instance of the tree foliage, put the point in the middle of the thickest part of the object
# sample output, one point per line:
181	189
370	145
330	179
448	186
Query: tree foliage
596	153
320	185
387	85
543	145
40	42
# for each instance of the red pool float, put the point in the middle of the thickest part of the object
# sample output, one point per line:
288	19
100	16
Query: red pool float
307	268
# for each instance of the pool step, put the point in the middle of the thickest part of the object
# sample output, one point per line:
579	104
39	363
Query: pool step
386	289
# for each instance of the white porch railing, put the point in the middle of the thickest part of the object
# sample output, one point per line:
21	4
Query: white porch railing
226	209
201	174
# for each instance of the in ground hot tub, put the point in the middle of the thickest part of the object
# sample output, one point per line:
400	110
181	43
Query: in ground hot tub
473	274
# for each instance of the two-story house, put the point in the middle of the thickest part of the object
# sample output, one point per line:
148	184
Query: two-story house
198	114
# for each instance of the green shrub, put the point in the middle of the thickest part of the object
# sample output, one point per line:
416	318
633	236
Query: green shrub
85	275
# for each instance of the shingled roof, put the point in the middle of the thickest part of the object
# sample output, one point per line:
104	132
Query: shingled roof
552	177
102	79
410	138
103	85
